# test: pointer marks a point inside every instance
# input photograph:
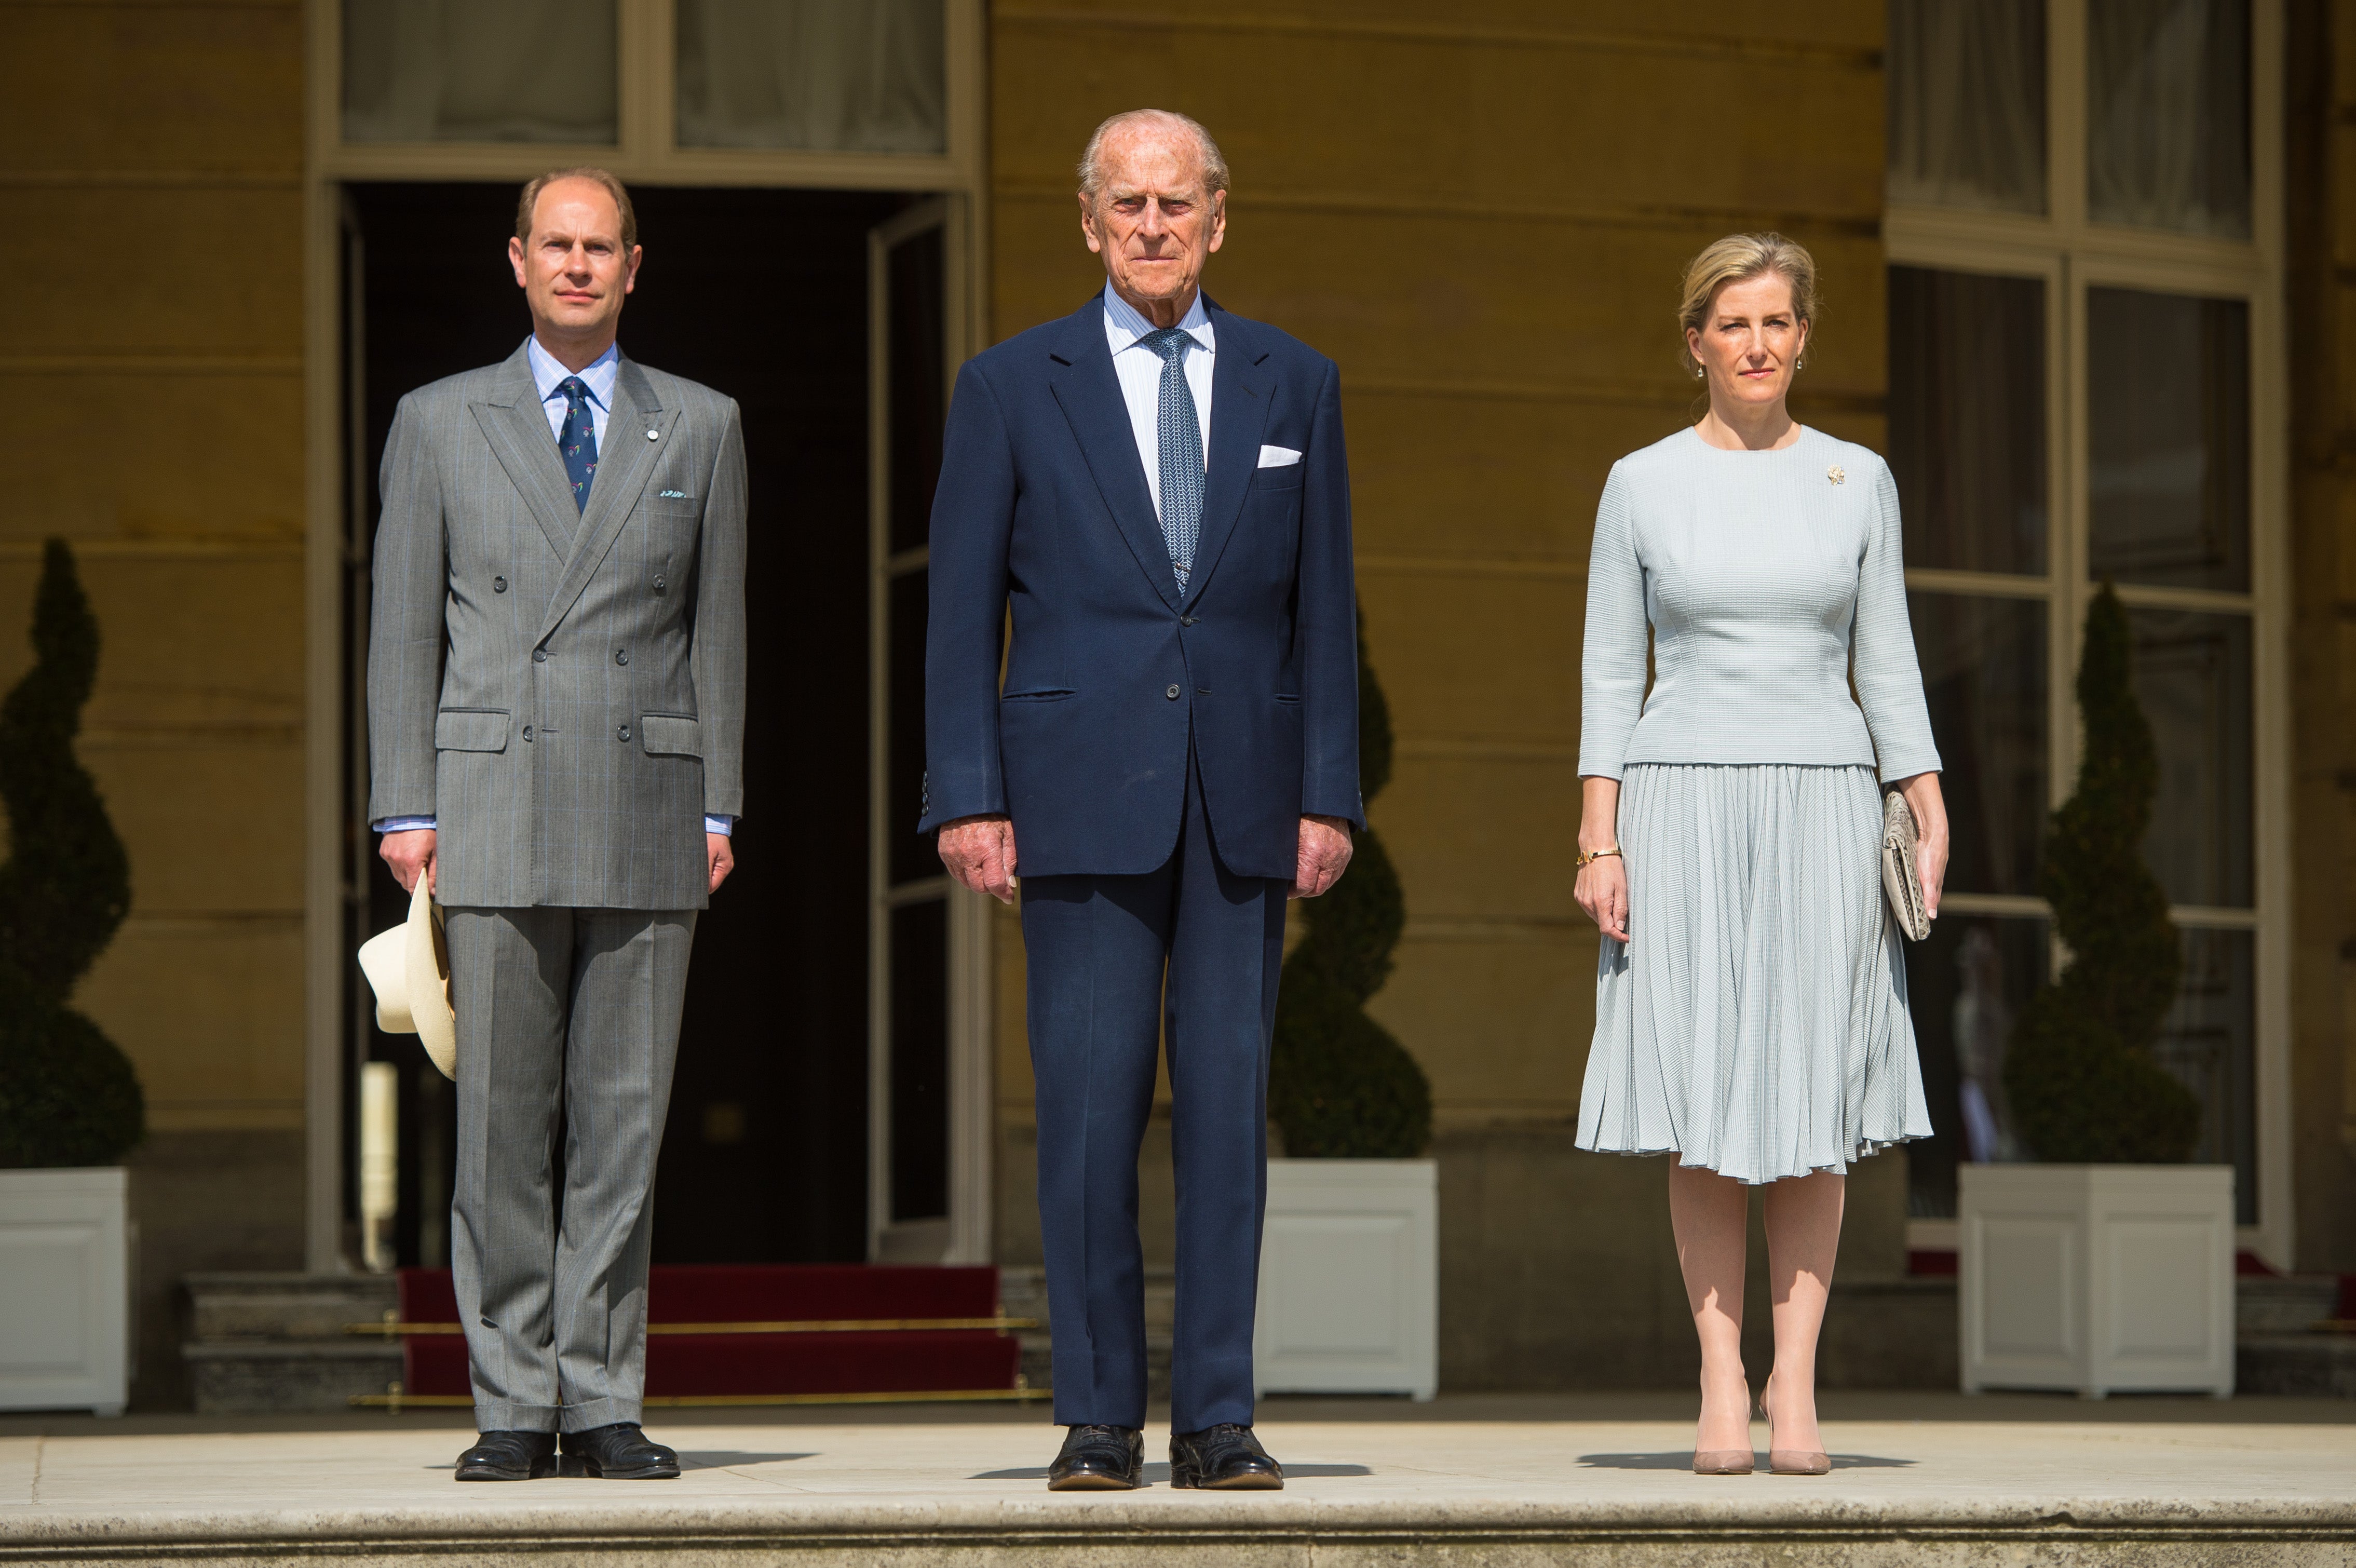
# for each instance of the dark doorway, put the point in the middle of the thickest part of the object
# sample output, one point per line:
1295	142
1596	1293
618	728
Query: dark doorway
763	295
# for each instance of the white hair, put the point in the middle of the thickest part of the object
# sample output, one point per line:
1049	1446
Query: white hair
1215	163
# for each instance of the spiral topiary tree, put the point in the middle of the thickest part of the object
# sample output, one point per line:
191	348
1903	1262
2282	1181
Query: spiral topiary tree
67	1095
2080	1070
1340	1085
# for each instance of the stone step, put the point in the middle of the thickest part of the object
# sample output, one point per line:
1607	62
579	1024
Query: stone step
2311	1364
2288	1304
259	1377
284	1305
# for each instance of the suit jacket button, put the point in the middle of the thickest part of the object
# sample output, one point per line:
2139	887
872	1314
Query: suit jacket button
526	732
1186	620
622	732
658	583
539	656
499	584
622	656
1171	693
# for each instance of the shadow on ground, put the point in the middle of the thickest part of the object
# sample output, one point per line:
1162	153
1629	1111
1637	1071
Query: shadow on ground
1683	1460
1159	1474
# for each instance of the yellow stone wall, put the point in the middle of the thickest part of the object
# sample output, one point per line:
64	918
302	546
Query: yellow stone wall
1482	212
151	359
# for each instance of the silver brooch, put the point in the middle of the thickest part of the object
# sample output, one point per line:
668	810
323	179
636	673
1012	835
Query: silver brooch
1836	475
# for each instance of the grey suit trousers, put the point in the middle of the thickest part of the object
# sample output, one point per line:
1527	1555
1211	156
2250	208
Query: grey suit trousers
571	1010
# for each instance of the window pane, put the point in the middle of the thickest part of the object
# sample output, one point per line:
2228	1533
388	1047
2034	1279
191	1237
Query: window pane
1967	418
915	275
2168	438
1984	673
911	854
1965	985
829	75
1967	103
447	70
2193	674
2168	115
920	1060
2208	1041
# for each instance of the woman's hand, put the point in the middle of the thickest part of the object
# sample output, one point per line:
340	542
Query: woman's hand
1930	808
1602	892
1603	886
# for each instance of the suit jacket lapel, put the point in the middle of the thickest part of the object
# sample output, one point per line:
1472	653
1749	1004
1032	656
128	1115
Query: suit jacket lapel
624	462
517	428
1241	391
1089	394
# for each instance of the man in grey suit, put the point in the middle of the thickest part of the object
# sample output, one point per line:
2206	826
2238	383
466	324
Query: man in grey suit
556	715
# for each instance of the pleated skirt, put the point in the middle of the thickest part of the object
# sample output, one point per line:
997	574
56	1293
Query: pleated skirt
1755	1021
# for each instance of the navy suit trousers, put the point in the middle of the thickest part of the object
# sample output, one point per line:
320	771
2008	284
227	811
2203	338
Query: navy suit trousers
1099	949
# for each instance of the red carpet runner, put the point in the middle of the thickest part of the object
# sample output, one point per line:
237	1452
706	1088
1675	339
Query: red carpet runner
725	1367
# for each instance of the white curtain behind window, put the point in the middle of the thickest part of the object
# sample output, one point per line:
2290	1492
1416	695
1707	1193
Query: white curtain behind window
826	75
464	70
1967	103
2168	122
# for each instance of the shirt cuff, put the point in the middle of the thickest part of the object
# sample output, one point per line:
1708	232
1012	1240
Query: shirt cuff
723	826
401	824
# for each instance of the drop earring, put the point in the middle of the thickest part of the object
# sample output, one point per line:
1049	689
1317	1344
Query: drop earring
1700	373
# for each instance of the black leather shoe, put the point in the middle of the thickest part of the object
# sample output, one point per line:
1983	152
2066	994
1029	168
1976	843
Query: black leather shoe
1099	1459
618	1453
1225	1458
509	1456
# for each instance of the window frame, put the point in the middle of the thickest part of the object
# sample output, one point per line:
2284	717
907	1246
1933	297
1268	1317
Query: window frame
2070	254
644	153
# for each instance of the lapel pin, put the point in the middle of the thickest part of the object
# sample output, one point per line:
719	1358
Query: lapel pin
1834	473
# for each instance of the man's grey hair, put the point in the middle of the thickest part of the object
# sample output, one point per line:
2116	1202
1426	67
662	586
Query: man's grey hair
1092	172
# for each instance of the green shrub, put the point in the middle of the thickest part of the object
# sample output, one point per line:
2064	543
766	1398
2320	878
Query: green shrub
2079	1071
67	1095
1340	1085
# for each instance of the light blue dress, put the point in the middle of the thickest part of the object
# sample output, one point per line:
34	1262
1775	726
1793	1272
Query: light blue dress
1755	1022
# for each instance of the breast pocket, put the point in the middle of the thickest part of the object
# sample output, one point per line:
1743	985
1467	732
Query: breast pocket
1287	478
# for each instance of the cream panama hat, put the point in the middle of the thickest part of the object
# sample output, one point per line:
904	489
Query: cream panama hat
409	966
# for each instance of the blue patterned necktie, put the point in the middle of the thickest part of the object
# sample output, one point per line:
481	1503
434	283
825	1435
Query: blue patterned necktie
1179	433
578	440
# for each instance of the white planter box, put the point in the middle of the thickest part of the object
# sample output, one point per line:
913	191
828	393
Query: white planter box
1349	1278
65	1290
2096	1278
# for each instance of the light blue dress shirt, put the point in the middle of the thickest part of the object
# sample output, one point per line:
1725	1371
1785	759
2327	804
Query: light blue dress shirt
549	374
1140	370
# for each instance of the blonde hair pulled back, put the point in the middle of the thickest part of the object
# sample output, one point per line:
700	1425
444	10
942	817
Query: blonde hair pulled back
1739	258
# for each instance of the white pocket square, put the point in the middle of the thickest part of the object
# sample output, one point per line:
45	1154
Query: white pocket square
1277	456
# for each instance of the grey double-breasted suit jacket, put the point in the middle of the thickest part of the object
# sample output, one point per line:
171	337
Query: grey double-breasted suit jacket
564	691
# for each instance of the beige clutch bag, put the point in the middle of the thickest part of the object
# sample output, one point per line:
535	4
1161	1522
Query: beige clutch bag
1901	877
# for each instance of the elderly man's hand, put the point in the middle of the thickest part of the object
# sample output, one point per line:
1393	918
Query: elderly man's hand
719	858
980	853
1324	854
411	855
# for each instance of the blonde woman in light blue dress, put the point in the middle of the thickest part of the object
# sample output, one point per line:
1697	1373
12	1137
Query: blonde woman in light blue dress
1750	998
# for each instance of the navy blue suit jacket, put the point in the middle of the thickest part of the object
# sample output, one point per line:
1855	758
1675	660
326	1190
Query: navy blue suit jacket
1042	504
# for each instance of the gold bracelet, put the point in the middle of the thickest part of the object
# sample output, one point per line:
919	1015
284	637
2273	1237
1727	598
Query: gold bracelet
1588	854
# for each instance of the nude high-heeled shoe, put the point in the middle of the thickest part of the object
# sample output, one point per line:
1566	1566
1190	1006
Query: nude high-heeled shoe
1726	1461
1788	1461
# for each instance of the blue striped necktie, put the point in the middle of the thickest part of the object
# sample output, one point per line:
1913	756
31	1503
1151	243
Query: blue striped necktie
578	440
1179	433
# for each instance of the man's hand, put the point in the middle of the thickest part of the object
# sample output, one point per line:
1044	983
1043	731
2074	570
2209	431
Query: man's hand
719	858
411	854
980	853
1324	854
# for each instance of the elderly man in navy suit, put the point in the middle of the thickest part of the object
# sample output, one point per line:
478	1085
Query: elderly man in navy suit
1160	491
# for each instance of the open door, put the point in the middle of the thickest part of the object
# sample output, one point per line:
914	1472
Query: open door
928	1065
